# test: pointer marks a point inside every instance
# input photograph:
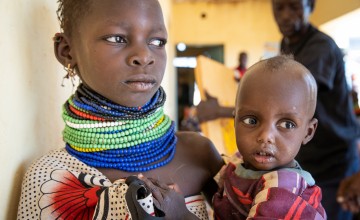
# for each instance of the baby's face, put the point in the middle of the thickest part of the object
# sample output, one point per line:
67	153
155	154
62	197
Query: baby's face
272	119
119	48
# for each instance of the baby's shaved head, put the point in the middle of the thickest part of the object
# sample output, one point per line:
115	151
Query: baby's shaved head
285	70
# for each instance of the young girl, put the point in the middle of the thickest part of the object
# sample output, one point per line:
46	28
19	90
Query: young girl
114	123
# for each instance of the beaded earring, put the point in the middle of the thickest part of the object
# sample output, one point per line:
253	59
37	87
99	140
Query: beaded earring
57	38
70	74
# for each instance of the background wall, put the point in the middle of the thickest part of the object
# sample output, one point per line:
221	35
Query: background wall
31	95
246	25
31	92
326	10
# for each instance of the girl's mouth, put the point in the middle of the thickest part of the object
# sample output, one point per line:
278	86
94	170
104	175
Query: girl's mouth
140	86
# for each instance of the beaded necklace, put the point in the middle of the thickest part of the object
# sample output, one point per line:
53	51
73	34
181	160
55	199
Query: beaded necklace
103	134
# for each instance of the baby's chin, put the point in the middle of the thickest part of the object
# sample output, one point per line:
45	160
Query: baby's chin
262	166
269	165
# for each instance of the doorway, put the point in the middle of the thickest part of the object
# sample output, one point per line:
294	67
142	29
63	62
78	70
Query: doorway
185	63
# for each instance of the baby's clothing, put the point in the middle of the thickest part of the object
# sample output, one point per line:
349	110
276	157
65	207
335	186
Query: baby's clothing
282	194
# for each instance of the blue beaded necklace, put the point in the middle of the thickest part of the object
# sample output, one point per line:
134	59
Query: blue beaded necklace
145	141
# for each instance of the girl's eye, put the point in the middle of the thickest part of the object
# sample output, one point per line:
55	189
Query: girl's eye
158	42
116	39
287	125
249	121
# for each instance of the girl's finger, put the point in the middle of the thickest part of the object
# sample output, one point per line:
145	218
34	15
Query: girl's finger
176	188
159	184
153	188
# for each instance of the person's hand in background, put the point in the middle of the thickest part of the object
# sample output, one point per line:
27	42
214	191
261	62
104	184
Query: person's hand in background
210	109
349	193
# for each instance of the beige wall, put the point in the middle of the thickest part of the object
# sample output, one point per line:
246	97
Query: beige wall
246	25
326	10
31	92
31	95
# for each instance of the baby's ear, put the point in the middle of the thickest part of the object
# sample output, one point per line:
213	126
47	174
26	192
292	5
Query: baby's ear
62	50
310	130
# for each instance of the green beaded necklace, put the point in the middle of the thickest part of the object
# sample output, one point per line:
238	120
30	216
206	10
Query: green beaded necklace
97	129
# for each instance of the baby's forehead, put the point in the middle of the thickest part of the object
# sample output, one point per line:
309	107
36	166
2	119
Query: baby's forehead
282	68
289	70
287	76
279	79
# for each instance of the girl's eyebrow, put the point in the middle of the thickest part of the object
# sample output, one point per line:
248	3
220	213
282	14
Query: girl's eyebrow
118	23
126	25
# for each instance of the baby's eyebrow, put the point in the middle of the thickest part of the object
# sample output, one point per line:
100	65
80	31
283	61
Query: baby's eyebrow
289	112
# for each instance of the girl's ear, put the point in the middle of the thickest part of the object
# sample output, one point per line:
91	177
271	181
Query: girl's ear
310	131
62	50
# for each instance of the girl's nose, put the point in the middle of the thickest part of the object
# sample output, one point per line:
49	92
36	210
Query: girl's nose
141	57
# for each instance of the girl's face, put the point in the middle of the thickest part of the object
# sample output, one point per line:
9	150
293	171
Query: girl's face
272	119
119	50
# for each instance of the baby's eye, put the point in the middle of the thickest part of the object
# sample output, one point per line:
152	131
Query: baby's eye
158	42
287	124
116	39
249	121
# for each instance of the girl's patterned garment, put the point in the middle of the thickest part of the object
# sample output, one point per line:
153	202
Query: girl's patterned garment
59	186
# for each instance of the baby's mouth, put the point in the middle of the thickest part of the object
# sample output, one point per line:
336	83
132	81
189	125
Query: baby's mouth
264	157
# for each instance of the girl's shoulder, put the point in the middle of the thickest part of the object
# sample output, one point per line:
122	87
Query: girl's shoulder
196	144
188	138
201	149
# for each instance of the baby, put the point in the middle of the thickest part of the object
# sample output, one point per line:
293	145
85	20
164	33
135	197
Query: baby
274	117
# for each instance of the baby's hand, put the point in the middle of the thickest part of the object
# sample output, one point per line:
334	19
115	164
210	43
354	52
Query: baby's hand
168	199
349	193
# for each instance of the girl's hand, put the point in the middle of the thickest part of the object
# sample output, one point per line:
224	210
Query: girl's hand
168	199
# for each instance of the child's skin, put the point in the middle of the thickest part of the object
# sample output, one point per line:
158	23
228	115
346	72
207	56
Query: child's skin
118	50
274	111
274	114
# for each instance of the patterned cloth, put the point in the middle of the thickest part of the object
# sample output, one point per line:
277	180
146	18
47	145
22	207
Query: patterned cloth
59	186
282	194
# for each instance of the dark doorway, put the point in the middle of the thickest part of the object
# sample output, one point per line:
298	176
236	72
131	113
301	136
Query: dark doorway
186	77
